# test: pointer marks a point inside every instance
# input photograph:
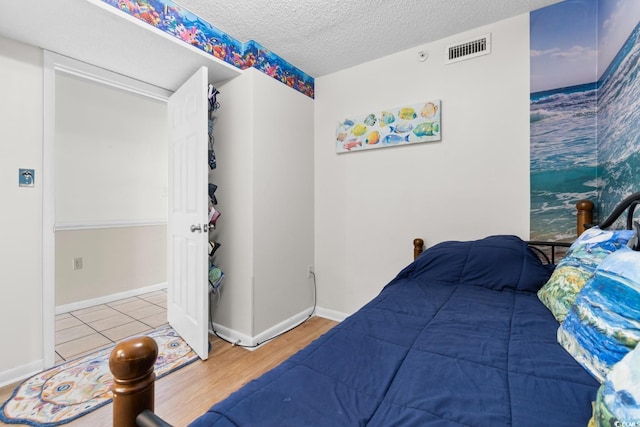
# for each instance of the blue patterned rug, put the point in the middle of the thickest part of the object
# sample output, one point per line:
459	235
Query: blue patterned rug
73	389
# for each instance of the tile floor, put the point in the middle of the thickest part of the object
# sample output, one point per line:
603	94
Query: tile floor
83	331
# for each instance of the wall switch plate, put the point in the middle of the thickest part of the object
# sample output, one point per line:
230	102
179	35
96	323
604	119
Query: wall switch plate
26	177
77	263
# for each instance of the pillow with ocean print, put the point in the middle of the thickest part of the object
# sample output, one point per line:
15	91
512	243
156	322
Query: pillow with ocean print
602	325
578	265
618	401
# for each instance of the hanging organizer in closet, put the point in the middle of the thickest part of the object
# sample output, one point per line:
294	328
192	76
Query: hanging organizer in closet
215	274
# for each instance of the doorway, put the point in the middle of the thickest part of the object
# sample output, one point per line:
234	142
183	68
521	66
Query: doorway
187	196
83	221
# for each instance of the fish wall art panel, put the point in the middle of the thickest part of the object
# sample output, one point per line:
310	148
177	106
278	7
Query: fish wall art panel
409	124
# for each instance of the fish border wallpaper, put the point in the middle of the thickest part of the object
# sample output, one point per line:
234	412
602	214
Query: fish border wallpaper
184	25
409	124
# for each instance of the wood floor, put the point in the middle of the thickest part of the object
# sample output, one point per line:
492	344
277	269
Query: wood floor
185	394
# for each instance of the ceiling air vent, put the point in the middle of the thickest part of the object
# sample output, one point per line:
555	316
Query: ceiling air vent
469	49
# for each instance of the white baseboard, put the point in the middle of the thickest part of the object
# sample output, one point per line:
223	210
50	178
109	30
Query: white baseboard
19	373
253	343
109	298
283	326
331	314
233	336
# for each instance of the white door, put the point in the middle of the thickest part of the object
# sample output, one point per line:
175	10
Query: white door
187	239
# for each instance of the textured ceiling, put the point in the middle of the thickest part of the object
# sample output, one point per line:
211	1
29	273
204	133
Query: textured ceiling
323	36
317	36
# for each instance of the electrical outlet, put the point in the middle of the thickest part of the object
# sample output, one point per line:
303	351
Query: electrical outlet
309	271
77	263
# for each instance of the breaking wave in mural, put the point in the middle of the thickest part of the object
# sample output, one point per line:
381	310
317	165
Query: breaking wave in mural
619	125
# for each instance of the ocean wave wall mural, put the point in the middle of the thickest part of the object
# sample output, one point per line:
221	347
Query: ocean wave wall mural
582	107
184	25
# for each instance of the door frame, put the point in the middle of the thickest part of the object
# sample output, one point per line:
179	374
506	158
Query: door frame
53	64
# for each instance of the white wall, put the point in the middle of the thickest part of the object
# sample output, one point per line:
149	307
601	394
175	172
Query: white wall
21	253
283	205
115	261
264	151
111	171
370	205
111	154
21	215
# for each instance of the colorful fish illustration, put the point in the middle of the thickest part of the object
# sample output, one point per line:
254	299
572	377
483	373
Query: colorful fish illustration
150	17
187	34
346	123
352	143
386	118
429	110
169	22
271	70
393	138
359	129
250	60
407	113
426	129
402	127
237	59
396	126
219	51
290	81
370	120
373	138
128	6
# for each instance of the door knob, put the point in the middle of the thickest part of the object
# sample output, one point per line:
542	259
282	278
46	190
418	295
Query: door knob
195	228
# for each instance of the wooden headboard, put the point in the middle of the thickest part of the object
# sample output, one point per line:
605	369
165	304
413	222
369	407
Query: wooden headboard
418	247
584	219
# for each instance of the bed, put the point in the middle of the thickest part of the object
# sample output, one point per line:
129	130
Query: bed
460	337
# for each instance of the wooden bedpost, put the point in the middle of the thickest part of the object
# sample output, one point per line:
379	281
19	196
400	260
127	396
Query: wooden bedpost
131	363
418	246
585	215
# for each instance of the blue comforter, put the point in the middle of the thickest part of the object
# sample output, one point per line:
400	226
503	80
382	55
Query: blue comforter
458	338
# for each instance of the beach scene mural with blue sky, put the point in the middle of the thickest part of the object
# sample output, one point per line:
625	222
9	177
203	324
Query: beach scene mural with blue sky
581	50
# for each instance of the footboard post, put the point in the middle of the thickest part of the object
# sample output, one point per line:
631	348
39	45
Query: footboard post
131	363
584	216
